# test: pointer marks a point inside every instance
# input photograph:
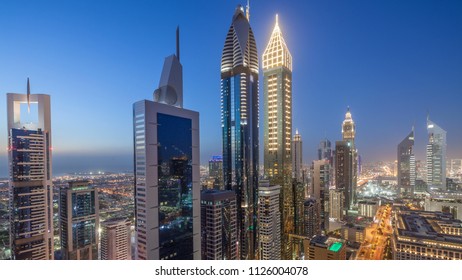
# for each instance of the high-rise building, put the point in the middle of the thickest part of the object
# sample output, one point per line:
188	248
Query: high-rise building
298	189
325	150
336	200
297	157
321	173
436	156
277	91
167	184
216	171
239	122
115	239
79	221
30	187
269	221
456	167
406	165
218	225
346	161
312	216
344	158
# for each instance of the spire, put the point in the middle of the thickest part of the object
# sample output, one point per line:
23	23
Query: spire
28	96
178	42
277	21
277	53
296	131
247	11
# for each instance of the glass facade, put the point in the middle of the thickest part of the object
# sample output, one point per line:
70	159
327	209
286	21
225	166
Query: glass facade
175	187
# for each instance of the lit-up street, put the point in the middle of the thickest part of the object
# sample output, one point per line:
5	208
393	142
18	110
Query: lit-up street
377	236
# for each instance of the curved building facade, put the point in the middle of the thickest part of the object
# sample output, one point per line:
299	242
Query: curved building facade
239	121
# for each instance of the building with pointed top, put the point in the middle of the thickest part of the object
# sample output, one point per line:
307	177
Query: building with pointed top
436	156
277	92
30	172
239	122
406	165
346	162
166	160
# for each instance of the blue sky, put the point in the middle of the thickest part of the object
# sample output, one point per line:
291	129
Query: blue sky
390	61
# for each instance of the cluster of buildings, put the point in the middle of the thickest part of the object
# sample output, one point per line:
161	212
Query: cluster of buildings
239	214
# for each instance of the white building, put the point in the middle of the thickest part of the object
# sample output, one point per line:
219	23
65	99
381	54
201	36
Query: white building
30	186
115	239
269	221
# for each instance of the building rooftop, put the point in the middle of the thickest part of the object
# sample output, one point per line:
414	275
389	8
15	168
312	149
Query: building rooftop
428	225
330	243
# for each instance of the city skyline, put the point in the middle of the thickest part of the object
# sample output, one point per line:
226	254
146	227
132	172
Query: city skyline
94	74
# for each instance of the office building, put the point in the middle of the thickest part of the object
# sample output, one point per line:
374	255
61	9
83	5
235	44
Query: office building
421	235
321	173
216	171
312	217
368	208
436	156
406	166
218	225
167	184
456	168
438	202
299	199
344	165
239	122
269	221
115	239
325	150
297	157
336	200
346	162
30	171
325	248
277	92
353	233
79	221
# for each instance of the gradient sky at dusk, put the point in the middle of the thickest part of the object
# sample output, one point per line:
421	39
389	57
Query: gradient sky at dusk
390	61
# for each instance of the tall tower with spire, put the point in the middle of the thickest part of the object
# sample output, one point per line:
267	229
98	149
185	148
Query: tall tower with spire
239	122
30	168
277	92
166	161
346	162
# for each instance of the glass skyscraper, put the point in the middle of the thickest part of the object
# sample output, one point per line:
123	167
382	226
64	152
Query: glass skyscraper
239	121
167	184
79	221
30	186
406	165
436	156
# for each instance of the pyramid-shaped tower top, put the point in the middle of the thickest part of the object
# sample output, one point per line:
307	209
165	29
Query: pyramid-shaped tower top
277	53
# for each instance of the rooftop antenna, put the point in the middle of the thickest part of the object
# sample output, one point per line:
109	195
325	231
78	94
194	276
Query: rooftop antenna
28	96
178	42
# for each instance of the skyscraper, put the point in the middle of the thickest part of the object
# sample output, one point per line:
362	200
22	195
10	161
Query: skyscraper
216	171
406	165
115	239
325	150
312	212
346	162
321	177
167	185
277	91
269	221
436	156
297	157
344	172
218	225
79	221
30	187
239	122
336	200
